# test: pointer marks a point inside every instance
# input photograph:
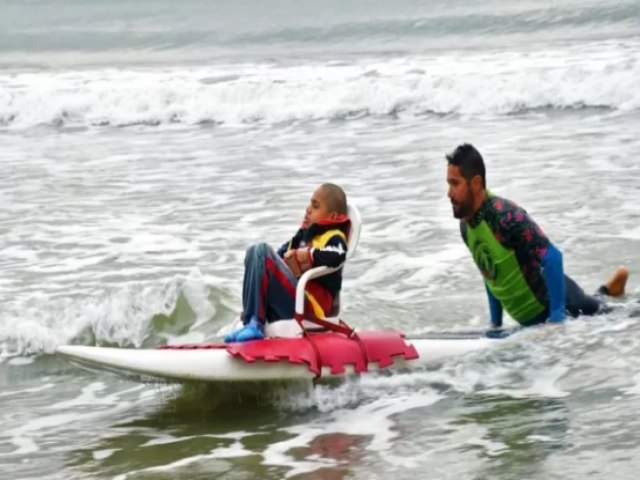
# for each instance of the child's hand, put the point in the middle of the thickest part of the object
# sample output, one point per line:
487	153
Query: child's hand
299	260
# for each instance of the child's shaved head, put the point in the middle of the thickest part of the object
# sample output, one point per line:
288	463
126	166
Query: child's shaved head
335	197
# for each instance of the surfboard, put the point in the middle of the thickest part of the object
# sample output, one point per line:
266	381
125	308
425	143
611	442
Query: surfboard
280	359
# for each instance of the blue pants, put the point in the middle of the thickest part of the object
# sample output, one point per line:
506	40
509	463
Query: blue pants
269	286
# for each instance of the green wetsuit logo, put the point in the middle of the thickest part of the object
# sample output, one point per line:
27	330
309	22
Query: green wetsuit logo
484	260
501	271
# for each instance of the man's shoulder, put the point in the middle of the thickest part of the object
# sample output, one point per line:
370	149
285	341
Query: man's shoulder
503	207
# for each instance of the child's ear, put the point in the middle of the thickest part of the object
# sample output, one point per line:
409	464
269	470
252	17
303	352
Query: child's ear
333	215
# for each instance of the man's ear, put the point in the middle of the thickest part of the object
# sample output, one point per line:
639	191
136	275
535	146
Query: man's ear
476	184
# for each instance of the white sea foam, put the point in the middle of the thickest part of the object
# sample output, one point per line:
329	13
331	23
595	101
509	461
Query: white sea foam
18	392
373	420
601	75
26	436
122	316
101	227
102	454
544	385
234	450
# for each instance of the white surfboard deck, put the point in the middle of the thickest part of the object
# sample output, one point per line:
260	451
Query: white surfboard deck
217	365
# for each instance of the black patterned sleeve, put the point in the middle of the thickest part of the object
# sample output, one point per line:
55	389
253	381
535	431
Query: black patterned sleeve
517	230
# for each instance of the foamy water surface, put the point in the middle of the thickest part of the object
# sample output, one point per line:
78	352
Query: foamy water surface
136	172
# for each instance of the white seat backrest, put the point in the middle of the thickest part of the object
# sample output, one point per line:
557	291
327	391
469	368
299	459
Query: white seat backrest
354	233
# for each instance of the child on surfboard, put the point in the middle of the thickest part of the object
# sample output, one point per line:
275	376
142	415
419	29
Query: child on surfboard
270	277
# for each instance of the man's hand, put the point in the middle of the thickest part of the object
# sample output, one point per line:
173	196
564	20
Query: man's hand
299	260
556	317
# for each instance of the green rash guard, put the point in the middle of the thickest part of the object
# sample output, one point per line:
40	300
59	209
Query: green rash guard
507	246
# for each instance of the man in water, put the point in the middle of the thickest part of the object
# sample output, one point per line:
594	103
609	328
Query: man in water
522	269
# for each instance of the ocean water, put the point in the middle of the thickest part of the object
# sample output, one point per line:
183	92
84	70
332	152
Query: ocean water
145	144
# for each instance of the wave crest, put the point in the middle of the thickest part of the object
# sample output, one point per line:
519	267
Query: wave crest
490	84
187	309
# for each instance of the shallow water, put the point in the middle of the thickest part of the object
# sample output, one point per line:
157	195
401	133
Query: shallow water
138	163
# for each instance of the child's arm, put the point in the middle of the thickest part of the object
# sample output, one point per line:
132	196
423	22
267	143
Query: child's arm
283	249
295	240
333	254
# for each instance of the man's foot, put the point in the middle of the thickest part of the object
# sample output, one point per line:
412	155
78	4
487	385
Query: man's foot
616	283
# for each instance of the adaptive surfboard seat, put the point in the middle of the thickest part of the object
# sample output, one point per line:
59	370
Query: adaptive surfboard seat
294	327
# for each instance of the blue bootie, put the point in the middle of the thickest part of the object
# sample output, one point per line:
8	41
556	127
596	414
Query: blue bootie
231	337
253	330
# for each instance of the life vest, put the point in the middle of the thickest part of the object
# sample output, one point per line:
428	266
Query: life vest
311	293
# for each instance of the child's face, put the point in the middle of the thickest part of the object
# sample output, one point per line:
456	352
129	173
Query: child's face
317	209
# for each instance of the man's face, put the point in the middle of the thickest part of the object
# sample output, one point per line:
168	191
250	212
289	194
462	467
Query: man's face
317	209
460	193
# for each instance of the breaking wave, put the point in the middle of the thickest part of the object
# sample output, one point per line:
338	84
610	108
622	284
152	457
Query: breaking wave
602	76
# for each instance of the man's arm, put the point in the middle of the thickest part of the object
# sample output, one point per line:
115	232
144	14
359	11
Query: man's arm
553	273
495	309
533	246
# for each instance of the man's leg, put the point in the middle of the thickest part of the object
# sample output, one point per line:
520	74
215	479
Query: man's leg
579	303
616	283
